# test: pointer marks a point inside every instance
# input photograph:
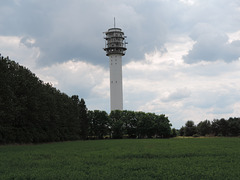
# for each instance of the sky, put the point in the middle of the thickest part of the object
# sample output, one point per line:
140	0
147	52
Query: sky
182	59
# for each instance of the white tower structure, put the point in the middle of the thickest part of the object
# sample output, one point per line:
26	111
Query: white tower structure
115	47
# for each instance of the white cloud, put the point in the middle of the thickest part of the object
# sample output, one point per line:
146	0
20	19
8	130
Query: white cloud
188	2
77	77
13	47
233	36
176	95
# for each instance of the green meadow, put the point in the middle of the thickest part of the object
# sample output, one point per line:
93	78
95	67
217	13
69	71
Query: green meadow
177	158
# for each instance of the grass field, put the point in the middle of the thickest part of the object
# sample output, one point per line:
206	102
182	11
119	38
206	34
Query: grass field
186	158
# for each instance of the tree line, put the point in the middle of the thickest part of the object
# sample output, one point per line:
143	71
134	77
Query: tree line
32	111
218	127
130	124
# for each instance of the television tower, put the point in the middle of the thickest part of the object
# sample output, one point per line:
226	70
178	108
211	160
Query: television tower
115	47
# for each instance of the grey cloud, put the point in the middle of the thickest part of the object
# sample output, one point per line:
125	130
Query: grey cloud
211	49
220	99
62	30
65	30
28	18
211	45
26	41
177	95
220	111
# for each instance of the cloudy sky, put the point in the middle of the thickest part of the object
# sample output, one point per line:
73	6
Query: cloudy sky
183	56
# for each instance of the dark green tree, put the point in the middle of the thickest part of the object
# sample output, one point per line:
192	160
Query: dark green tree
99	124
129	123
181	131
142	124
234	126
174	132
163	126
116	124
190	129
84	122
204	128
220	127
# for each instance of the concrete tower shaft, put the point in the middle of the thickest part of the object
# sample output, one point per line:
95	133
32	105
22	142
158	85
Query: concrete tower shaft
116	90
115	47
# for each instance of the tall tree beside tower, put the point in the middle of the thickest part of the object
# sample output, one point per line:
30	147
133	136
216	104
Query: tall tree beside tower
83	119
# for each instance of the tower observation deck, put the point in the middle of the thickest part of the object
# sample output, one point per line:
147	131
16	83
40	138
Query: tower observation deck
115	42
115	47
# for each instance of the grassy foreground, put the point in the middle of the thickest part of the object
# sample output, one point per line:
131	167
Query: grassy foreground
187	158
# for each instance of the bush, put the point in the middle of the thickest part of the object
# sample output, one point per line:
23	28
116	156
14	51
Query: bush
196	135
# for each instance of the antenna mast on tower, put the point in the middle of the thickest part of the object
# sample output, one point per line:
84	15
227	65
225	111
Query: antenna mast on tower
114	23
